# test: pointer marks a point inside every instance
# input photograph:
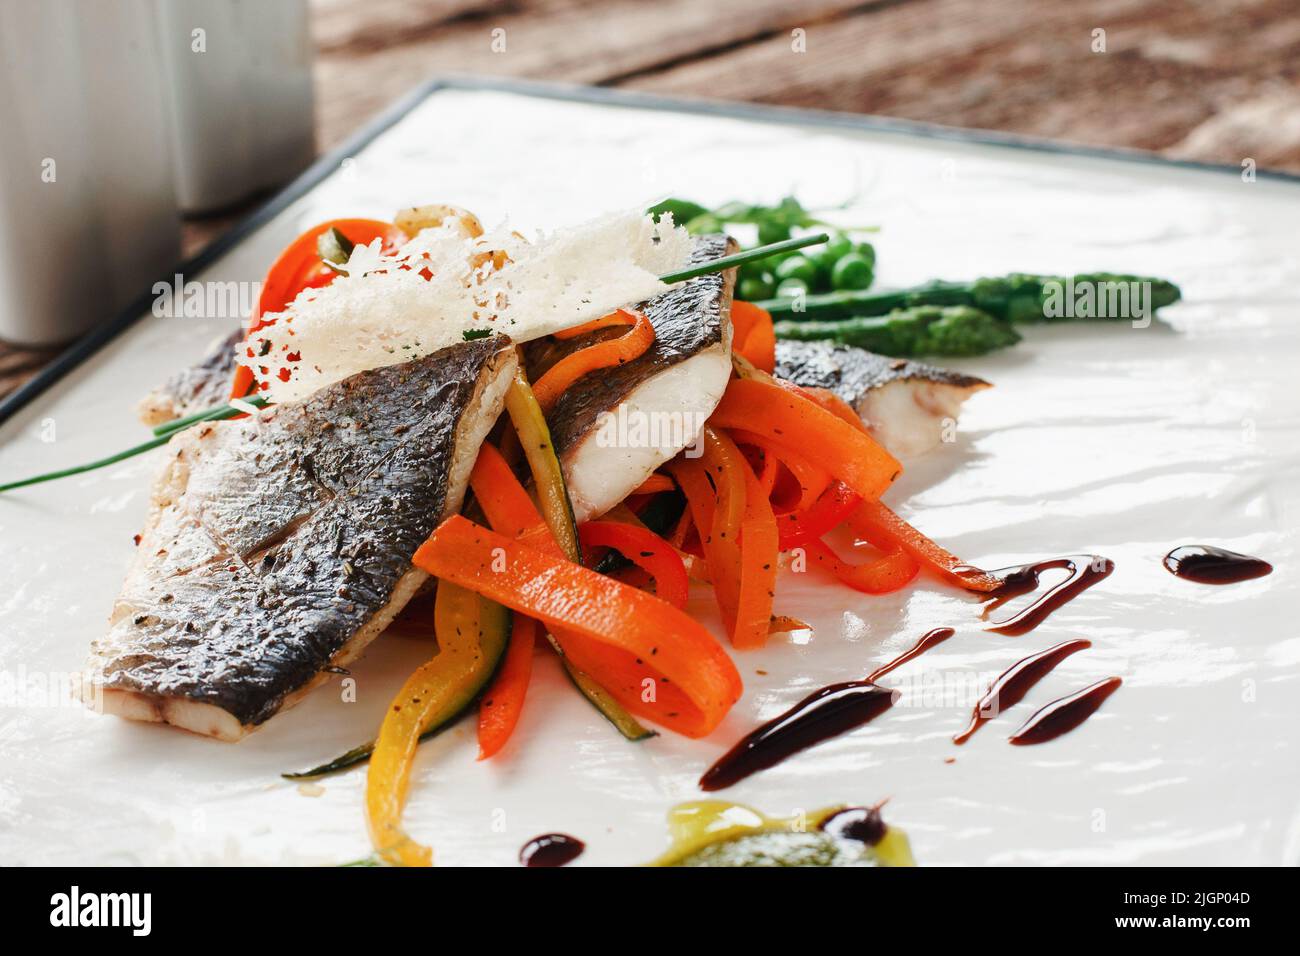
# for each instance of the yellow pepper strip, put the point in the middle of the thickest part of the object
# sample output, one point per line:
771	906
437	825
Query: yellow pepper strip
471	632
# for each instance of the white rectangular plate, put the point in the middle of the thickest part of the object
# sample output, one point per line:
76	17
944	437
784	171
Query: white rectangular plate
1096	438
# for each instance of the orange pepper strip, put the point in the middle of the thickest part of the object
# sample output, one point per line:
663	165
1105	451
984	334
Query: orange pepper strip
617	317
879	576
811	479
502	703
788	417
717	513
614	631
755	336
654	485
503	499
647	551
835	405
759	548
604	354
875	522
300	267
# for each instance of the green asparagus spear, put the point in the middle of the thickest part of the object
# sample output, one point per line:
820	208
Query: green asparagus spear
922	330
1016	298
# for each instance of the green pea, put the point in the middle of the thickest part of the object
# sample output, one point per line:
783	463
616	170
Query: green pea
839	246
755	288
789	288
771	231
798	267
700	225
852	272
867	251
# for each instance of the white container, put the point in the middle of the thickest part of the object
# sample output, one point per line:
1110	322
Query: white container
240	95
87	204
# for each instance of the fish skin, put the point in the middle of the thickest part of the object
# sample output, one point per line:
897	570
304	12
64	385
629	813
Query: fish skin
280	545
196	387
903	402
692	323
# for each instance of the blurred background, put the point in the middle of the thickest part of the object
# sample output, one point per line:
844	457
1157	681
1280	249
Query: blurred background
284	80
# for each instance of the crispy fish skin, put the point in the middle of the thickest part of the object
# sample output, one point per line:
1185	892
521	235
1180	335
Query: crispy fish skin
194	388
280	545
680	379
904	403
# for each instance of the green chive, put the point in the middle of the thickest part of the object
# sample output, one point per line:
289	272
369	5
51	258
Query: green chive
749	255
163	433
211	414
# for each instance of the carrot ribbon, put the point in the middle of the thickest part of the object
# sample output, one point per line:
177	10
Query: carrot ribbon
657	661
604	354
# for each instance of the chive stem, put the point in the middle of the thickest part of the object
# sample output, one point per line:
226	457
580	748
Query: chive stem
749	255
207	415
163	434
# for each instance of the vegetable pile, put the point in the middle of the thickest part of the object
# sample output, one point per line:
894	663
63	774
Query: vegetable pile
779	468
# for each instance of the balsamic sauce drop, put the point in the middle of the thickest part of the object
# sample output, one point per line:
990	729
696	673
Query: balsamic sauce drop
1206	564
1063	715
551	849
1084	570
823	714
937	636
1014	682
856	823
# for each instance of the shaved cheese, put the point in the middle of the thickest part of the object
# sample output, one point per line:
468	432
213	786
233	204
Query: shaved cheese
390	308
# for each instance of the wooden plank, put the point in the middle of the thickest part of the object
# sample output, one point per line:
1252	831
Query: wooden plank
573	41
1198	81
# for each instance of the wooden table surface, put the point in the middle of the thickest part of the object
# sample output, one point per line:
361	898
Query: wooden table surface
1214	80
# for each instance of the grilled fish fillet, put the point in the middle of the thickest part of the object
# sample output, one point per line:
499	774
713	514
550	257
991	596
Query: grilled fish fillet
195	388
612	428
907	405
278	546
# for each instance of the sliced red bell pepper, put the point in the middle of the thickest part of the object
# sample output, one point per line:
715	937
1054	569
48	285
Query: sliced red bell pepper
503	701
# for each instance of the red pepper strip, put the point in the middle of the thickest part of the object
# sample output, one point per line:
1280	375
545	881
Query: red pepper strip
834	506
647	551
503	701
617	317
754	336
880	576
655	660
875	522
812	480
300	267
788	417
605	354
